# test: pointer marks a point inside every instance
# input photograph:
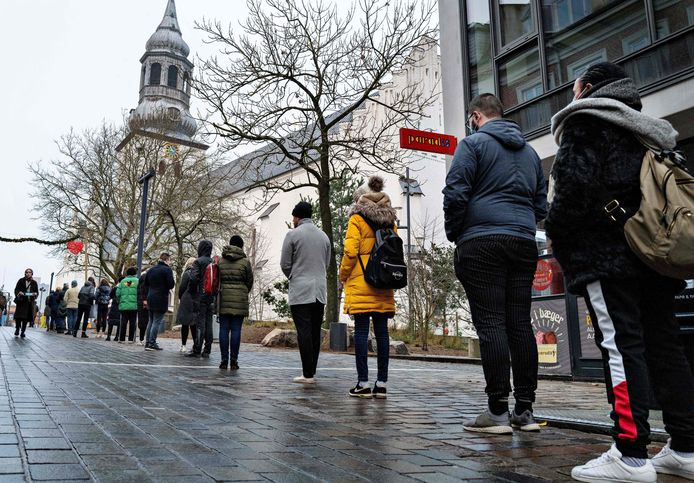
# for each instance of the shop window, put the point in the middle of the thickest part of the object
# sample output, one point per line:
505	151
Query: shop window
519	77
676	14
610	29
515	20
479	48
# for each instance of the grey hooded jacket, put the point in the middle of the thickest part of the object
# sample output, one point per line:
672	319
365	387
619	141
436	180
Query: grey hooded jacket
306	254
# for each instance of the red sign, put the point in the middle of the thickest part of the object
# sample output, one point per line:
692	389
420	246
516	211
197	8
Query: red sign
543	275
427	141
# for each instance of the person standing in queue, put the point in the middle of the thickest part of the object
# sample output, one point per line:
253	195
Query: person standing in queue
204	302
305	257
127	304
160	281
25	293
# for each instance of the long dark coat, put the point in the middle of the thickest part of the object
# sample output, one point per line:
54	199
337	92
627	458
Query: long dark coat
24	306
187	307
159	281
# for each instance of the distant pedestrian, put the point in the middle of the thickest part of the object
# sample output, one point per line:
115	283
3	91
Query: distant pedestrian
87	296
305	257
114	314
601	138
103	296
127	304
160	281
186	316
60	309
236	281
204	302
48	310
495	196
72	304
142	310
371	210
25	293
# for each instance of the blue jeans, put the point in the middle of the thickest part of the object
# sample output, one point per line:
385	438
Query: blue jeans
361	349
154	326
71	320
230	324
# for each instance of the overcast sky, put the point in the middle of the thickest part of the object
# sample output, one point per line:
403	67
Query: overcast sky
71	64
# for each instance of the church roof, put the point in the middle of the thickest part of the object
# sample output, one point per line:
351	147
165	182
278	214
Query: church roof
167	37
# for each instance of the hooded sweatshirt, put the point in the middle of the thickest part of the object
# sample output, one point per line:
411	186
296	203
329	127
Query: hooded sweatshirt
236	280
197	276
495	185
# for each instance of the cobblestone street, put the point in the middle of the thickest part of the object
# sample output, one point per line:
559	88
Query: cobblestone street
89	409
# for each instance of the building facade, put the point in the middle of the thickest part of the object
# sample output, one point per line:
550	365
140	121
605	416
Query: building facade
528	53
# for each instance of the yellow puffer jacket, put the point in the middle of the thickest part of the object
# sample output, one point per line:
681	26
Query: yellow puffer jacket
360	297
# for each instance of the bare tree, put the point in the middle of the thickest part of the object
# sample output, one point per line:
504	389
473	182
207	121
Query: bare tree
94	190
304	79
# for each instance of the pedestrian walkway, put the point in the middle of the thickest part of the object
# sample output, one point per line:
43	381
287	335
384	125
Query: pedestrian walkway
75	409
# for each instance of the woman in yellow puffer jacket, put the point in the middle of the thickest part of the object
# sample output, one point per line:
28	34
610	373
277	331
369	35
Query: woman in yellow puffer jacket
371	208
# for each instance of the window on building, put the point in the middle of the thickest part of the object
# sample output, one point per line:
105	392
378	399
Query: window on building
516	20
519	77
186	83
479	48
155	74
142	76
673	15
172	81
588	28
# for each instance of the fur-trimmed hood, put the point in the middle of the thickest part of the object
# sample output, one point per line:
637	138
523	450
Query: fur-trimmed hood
376	208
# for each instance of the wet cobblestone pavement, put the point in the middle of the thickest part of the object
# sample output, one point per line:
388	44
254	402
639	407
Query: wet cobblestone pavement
89	409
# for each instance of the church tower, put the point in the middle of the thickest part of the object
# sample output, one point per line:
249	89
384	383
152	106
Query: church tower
165	79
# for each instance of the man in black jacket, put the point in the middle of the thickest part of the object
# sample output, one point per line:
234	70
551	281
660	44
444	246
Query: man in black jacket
204	302
87	296
495	195
159	280
602	137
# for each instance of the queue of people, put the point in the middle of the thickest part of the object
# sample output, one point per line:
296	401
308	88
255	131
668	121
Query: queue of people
495	196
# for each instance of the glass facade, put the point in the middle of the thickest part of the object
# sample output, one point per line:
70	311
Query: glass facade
529	52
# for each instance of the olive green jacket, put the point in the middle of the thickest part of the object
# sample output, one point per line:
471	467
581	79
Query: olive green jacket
236	280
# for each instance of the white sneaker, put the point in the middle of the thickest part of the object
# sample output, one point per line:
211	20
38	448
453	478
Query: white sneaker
670	463
139	342
304	380
183	349
610	467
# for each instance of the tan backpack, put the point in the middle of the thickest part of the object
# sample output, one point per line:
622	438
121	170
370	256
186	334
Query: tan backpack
661	233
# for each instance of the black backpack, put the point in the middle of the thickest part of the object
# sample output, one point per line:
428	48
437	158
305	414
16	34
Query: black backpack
386	267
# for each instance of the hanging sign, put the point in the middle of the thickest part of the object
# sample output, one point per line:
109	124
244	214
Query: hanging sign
427	141
75	247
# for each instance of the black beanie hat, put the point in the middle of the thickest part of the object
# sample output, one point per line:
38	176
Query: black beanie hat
236	241
302	210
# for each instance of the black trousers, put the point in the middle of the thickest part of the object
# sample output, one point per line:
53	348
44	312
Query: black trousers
497	273
142	321
101	317
128	319
83	315
204	329
20	324
638	336
308	319
111	324
184	334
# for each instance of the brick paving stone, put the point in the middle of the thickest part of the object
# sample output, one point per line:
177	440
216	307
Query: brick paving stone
11	465
57	472
163	417
12	479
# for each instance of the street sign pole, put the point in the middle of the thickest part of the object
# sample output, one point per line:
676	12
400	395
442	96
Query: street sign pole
144	181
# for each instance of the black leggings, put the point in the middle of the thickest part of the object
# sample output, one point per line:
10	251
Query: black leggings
184	333
102	315
82	314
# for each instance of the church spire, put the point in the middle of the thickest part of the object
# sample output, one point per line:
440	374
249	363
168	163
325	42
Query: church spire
168	36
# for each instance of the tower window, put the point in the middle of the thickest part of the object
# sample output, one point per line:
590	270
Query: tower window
155	74
172	81
142	76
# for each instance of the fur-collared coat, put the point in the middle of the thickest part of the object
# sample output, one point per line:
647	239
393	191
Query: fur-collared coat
360	297
24	305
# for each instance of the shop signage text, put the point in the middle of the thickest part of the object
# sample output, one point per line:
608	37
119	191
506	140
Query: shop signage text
427	141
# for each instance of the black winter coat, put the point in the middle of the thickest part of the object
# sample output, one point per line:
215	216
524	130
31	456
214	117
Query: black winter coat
236	280
24	305
597	161
187	306
159	281
495	185
113	312
198	272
